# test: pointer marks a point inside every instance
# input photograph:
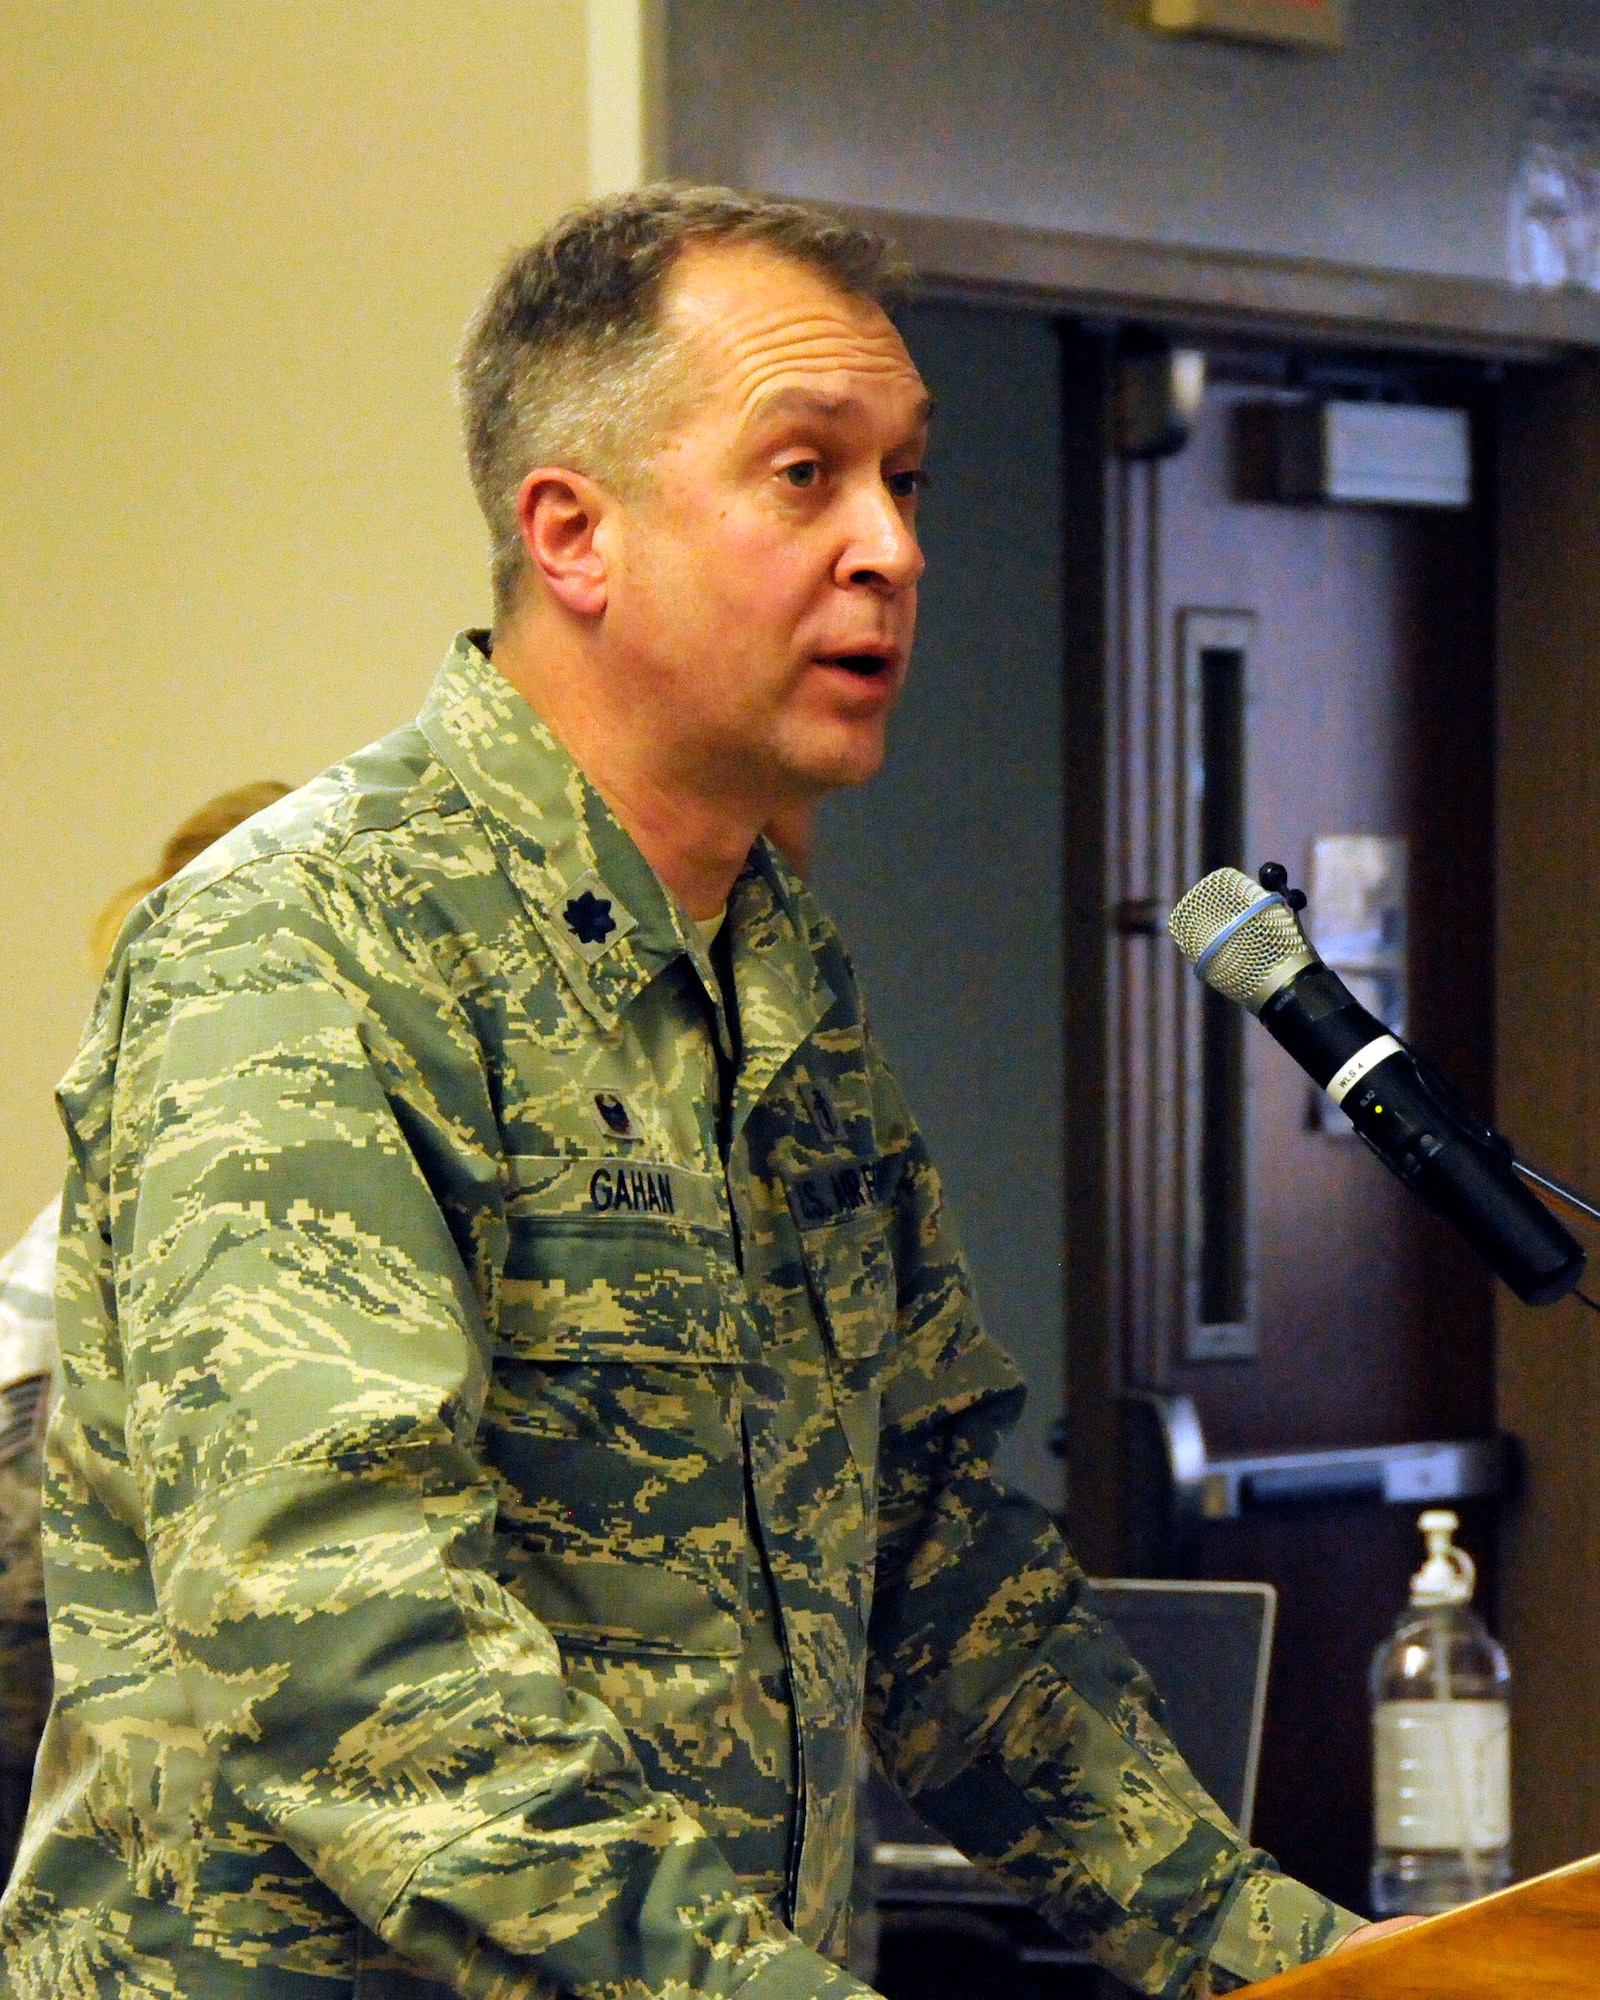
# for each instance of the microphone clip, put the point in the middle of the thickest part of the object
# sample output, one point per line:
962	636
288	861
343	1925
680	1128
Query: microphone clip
1274	878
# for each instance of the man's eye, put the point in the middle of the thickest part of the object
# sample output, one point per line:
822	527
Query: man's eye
805	472
907	485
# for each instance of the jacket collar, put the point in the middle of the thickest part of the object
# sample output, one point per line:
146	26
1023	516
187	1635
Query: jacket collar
610	923
781	993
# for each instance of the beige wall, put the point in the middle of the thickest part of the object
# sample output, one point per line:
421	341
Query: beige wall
239	242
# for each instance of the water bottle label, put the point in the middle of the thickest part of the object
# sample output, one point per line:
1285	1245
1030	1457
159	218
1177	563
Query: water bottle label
1442	1774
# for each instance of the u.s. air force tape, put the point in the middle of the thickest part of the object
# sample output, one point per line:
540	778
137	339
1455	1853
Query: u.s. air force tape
1376	1051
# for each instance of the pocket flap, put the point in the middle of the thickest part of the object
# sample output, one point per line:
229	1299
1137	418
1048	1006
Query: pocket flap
593	1188
638	1606
616	1261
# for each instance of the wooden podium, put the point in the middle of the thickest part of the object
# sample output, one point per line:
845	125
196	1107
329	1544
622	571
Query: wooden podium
1538	1938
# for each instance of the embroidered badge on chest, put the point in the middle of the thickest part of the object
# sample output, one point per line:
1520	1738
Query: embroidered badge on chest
591	916
823	1115
613	1116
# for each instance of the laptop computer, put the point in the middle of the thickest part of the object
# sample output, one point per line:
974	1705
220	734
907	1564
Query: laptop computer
1206	1646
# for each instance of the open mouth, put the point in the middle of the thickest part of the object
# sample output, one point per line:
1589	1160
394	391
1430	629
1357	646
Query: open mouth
866	665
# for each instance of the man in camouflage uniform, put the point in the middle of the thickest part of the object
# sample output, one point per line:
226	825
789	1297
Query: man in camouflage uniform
27	1372
524	1404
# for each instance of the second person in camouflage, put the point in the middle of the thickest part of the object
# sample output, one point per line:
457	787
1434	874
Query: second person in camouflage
524	1404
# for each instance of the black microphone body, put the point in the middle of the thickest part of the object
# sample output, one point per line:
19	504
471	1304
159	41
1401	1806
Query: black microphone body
1409	1119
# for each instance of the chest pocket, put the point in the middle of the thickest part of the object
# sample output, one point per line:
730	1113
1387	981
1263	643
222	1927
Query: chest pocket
613	1418
843	1214
626	1257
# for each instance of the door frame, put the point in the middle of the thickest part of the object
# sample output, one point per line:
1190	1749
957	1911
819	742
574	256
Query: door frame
1547	838
1217	291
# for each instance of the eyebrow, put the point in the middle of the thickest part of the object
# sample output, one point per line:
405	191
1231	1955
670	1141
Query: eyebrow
796	402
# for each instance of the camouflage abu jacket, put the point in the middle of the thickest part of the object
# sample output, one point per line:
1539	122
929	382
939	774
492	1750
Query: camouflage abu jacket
518	1416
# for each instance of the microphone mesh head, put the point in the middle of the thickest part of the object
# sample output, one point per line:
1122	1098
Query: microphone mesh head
1255	960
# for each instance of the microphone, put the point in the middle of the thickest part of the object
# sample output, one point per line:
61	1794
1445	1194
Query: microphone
1244	940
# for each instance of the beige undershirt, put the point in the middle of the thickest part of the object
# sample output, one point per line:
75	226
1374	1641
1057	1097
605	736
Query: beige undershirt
709	926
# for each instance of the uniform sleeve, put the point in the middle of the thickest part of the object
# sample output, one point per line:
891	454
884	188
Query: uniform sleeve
304	1199
1014	1718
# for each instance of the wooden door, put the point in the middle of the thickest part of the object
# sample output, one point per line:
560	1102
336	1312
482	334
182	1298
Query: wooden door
1348	662
1549	1004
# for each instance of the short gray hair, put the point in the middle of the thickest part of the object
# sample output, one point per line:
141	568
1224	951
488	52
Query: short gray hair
567	360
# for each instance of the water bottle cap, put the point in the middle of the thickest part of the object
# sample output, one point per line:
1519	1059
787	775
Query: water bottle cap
1449	1573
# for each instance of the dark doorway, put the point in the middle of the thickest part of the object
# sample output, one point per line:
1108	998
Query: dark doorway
1310	684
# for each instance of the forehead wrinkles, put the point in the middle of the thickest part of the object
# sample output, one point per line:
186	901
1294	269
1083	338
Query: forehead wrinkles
746	344
756	366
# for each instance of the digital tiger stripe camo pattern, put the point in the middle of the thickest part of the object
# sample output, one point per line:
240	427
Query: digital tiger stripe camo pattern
518	1415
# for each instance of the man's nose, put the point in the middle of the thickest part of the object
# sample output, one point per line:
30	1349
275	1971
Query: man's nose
882	549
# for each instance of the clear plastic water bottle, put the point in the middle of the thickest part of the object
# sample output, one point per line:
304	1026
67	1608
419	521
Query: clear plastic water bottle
1441	1736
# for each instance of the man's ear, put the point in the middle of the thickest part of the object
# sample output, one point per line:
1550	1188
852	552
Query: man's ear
560	514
